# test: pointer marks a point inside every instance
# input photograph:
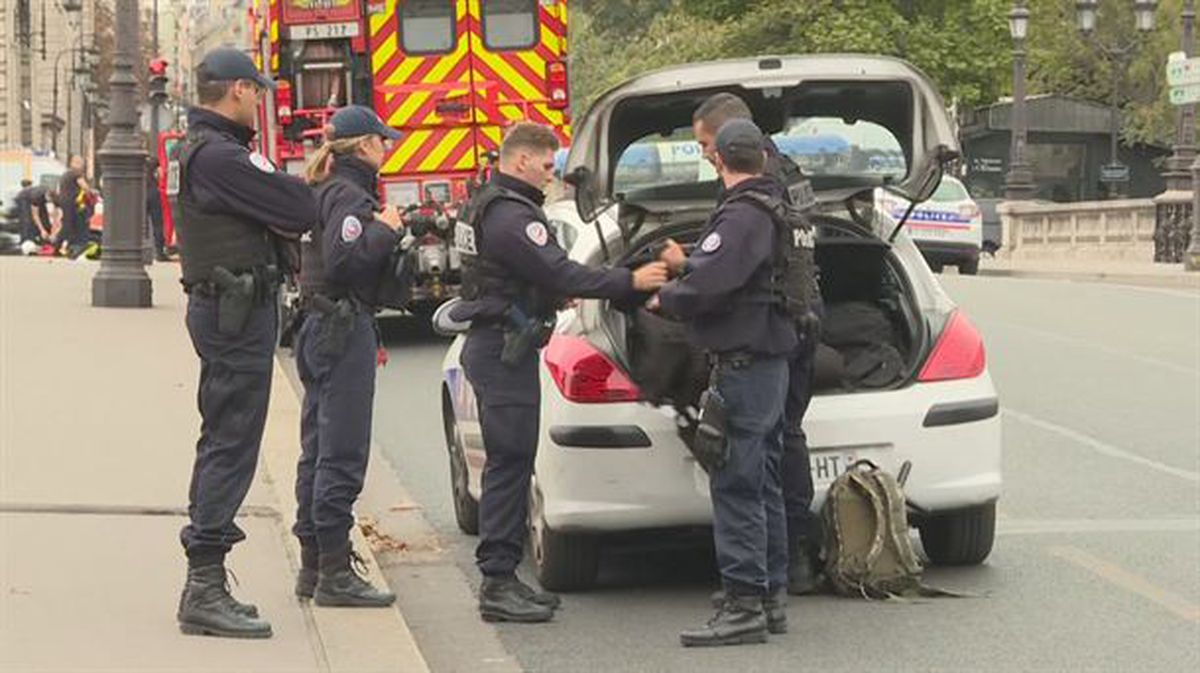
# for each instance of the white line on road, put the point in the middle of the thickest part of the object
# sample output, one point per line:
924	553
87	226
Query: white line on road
1085	343
1100	447
1067	526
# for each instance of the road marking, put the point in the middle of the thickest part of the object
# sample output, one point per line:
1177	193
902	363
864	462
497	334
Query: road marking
1122	578
1074	341
1060	526
1100	447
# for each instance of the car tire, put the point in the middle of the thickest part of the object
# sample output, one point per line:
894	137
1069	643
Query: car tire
962	537
466	507
562	561
969	267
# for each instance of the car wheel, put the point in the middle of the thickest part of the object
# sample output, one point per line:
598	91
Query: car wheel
466	507
969	268
562	561
963	537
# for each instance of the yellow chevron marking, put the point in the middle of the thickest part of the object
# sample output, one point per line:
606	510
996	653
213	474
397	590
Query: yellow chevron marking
403	115
384	54
510	76
408	147
552	42
434	160
466	163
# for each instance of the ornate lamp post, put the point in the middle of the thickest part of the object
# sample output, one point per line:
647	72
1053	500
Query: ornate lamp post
1119	55
1018	184
122	280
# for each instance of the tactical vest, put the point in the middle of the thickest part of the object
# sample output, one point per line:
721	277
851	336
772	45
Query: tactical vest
482	276
313	279
794	285
208	240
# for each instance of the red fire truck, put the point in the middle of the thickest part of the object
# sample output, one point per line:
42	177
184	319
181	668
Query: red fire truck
449	74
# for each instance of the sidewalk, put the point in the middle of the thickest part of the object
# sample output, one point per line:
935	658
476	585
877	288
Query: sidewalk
1149	274
98	425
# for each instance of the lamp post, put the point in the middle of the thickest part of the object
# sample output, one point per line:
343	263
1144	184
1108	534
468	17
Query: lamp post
1119	55
1018	184
122	280
1179	166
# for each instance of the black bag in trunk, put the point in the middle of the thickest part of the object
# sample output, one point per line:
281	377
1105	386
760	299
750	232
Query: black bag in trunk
666	366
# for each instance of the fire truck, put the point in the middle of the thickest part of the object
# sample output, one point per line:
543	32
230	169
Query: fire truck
449	74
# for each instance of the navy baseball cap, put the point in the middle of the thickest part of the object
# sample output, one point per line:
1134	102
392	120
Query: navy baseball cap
227	64
356	120
740	138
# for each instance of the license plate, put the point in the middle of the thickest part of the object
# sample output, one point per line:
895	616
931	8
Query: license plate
828	465
321	31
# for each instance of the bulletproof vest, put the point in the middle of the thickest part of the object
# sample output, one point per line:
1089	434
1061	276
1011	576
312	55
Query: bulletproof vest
794	285
207	240
482	276
313	279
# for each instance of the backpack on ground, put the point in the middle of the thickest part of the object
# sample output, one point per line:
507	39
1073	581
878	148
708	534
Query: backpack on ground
868	552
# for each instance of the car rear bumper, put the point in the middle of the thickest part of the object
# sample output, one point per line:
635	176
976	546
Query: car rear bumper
948	251
949	431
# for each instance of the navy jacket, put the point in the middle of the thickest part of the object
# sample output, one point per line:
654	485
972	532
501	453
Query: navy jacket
354	245
725	292
226	177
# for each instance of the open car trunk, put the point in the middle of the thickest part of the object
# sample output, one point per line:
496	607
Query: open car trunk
872	334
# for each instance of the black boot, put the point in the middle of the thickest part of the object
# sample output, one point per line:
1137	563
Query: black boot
339	583
506	599
206	608
802	572
306	579
739	621
775	608
545	598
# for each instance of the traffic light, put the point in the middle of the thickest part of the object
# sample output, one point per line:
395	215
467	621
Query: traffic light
158	80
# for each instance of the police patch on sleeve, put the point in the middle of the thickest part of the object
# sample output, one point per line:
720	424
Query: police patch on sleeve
351	229
536	232
711	243
262	163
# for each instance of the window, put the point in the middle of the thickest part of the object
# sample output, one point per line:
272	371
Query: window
510	24
427	27
950	190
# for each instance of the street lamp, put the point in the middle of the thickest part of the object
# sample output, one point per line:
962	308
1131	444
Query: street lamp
122	280
1179	166
1018	184
1119	56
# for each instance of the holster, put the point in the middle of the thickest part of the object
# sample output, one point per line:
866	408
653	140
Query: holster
710	446
337	324
235	300
522	335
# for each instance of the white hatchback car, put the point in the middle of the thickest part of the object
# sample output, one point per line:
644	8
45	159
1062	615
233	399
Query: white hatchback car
948	228
611	462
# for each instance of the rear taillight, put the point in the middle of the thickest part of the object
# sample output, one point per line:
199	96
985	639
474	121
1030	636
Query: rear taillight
283	102
556	84
584	374
958	354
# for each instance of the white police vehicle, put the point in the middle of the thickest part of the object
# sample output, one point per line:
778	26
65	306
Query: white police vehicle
948	228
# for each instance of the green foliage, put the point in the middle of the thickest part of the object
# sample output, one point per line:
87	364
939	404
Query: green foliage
963	45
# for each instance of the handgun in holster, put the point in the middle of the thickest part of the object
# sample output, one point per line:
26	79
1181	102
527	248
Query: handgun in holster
235	300
337	324
710	445
522	335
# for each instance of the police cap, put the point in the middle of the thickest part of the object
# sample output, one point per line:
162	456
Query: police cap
739	141
355	120
226	64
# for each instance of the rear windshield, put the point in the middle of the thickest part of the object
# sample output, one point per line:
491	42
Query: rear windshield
427	26
820	146
509	24
950	190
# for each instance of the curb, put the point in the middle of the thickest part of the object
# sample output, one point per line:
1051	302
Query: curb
1182	281
347	639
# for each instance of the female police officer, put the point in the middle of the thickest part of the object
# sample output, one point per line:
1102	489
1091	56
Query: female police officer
342	262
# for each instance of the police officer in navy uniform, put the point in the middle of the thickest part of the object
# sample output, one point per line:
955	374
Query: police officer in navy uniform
725	294
804	534
233	207
343	260
516	276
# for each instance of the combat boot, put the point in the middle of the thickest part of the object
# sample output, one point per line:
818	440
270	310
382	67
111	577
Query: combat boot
545	598
207	608
775	608
506	599
339	583
739	621
306	579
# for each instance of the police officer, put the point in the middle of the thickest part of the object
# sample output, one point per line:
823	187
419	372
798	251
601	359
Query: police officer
233	206
804	534
342	261
725	294
32	213
516	276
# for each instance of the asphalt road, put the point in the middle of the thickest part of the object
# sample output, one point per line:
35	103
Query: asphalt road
1096	567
